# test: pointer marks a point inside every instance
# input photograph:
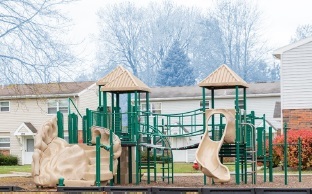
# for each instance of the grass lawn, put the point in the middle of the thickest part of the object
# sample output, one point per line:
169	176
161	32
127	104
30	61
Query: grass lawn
11	169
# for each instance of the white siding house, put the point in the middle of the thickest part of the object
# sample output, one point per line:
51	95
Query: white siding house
25	108
296	82
261	98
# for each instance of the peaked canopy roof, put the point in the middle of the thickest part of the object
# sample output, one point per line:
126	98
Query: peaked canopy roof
125	82
223	78
111	76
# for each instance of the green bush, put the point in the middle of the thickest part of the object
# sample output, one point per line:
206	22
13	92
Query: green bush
8	160
158	156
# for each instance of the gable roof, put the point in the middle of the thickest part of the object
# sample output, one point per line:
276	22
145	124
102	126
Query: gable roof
26	128
64	89
125	82
190	92
223	77
278	52
111	76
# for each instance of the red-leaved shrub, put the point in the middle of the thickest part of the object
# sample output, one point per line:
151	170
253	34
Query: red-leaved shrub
292	138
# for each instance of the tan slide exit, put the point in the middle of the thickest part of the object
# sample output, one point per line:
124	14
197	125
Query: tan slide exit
207	153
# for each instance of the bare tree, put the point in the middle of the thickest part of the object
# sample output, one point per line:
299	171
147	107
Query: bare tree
122	33
30	48
139	38
302	31
235	36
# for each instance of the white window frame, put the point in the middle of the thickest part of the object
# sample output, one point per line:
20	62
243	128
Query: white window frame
152	107
206	102
57	105
5	106
2	148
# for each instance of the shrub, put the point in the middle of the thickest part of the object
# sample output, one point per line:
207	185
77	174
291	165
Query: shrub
292	138
158	156
276	159
8	160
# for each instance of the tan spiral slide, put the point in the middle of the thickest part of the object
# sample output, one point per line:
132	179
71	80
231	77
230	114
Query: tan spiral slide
207	153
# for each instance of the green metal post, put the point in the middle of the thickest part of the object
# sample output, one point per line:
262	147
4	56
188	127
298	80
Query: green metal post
270	155
285	153
105	124
84	129
117	116
111	155
70	129
245	133
148	138
98	162
154	142
237	138
129	115
299	157
130	163
245	99
138	159
75	128
89	124
99	92
204	119
220	127
163	152
264	156
60	125
113	113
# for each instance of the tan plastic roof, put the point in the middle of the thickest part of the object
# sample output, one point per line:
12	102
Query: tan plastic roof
223	77
111	76
125	82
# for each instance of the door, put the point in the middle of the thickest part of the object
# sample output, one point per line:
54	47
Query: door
29	150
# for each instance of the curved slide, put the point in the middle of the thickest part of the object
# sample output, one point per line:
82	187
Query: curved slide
54	158
207	154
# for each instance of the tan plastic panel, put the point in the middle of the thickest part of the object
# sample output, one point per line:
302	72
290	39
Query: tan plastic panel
54	158
207	153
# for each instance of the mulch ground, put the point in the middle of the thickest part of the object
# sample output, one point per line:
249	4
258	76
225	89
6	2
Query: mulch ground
180	181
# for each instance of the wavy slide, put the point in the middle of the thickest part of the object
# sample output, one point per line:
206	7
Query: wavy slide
207	154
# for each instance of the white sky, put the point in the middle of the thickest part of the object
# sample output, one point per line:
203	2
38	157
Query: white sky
280	20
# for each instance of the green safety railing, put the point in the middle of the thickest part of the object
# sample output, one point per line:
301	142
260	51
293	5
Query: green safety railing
98	157
175	125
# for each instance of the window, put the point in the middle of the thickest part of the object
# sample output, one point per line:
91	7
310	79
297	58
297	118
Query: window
155	107
241	104
4	142
4	106
30	145
57	105
206	104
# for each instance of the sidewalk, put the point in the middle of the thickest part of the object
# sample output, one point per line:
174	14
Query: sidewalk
16	174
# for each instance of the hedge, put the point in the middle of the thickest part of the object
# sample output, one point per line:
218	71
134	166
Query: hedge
292	138
8	160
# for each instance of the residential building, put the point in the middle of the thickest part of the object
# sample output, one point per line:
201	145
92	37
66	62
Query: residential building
296	81
25	108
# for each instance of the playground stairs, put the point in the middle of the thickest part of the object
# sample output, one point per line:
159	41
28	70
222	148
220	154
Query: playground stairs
89	176
162	156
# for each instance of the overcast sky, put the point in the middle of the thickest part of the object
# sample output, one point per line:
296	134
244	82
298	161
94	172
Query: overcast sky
280	19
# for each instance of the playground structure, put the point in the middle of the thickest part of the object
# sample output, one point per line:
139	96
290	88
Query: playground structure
224	132
55	160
